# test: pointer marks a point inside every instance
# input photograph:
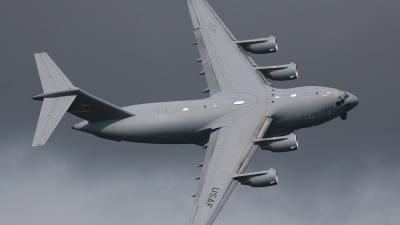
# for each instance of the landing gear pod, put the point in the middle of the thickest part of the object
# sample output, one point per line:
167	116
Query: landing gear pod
260	45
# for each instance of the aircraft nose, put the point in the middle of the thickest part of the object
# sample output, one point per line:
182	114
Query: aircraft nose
353	100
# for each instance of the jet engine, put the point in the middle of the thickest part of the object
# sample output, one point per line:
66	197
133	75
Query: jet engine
260	45
259	179
281	72
289	143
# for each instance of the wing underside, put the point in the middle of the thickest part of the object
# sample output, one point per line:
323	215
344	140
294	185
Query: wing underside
229	151
227	66
228	69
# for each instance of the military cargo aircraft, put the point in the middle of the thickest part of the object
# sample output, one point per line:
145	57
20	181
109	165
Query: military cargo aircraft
244	111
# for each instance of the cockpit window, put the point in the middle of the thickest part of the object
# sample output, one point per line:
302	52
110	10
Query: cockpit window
346	96
340	102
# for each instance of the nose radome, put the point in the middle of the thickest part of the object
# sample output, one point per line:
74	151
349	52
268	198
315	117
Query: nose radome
353	100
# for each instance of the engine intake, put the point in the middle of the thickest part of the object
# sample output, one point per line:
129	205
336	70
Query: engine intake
259	179
288	144
281	72
260	45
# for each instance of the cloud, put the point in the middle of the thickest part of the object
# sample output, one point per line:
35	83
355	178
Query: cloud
46	187
50	190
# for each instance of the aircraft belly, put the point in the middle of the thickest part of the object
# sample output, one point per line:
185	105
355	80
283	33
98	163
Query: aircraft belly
171	122
164	128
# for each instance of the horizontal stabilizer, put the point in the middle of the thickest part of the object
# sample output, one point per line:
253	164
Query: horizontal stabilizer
92	108
61	96
51	76
53	109
87	106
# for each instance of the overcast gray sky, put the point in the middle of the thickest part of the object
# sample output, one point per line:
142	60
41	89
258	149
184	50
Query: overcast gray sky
131	52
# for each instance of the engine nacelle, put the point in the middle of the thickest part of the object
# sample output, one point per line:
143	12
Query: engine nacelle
260	45
259	179
285	145
281	72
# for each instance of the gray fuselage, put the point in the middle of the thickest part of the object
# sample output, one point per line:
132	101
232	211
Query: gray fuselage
185	122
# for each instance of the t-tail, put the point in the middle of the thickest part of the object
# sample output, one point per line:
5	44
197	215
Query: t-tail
60	96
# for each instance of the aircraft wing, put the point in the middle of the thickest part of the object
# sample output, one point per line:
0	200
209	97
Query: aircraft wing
229	150
227	66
